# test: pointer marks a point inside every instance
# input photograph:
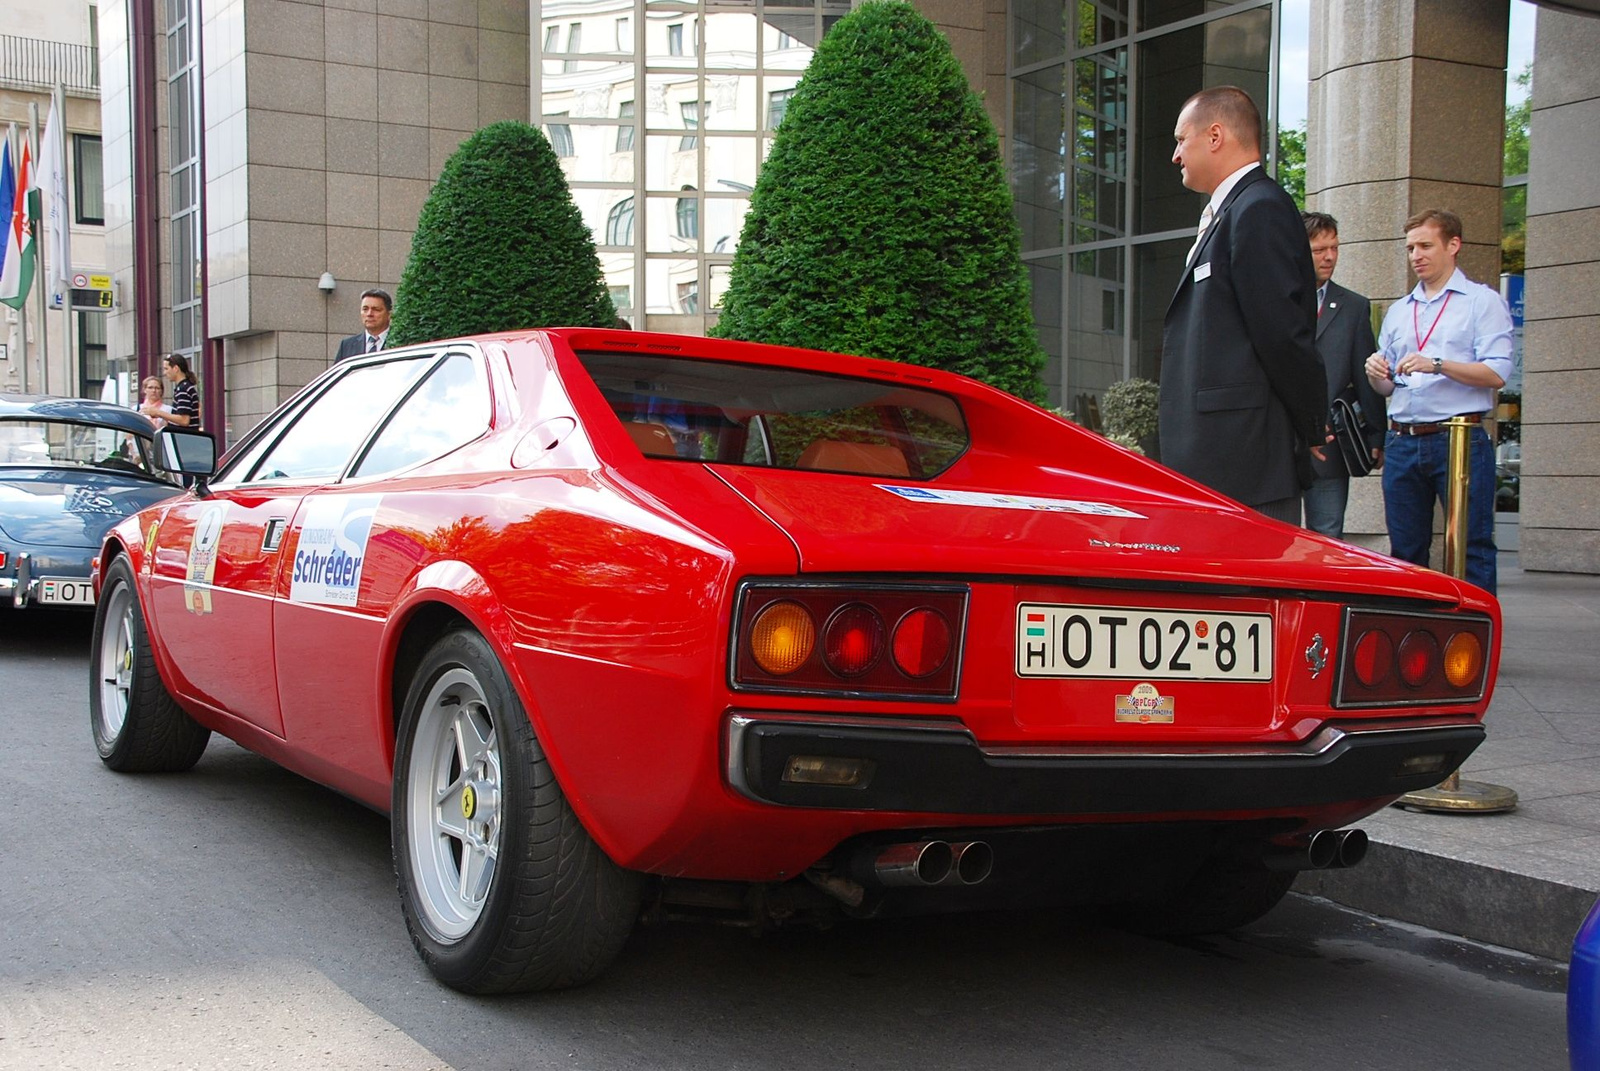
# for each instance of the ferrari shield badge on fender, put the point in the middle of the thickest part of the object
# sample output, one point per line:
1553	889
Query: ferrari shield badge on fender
1146	705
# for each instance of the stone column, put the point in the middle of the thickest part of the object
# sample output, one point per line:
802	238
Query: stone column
1561	340
1407	112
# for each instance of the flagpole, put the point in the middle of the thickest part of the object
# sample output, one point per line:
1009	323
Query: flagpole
58	193
40	272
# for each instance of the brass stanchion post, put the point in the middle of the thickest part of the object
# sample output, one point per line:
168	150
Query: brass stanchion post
1454	795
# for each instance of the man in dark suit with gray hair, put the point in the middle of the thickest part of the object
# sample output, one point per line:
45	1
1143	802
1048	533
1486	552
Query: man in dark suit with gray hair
376	308
1243	397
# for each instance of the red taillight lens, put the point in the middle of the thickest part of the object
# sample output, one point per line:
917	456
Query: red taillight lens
1398	658
1374	659
835	638
853	641
1419	657
921	642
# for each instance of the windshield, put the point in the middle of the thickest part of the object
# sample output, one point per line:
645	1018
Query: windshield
58	444
778	417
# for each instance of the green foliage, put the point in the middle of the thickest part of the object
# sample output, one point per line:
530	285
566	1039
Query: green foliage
1130	409
882	222
499	246
1292	163
1514	199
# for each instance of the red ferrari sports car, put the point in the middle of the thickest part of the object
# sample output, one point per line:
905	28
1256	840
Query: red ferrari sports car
617	625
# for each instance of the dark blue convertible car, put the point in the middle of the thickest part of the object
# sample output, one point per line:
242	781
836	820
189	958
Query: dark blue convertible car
70	468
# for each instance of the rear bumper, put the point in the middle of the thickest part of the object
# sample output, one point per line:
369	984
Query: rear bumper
934	768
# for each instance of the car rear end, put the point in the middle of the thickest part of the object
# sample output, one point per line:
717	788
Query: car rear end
1014	658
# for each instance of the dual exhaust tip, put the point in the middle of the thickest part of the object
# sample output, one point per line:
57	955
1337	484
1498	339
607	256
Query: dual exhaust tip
1329	849
933	862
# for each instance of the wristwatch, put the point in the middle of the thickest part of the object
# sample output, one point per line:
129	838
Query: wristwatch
1438	366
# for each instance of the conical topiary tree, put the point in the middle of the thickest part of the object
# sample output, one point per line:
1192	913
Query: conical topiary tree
882	222
499	246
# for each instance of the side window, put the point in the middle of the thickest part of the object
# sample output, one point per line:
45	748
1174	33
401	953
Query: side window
450	408
327	432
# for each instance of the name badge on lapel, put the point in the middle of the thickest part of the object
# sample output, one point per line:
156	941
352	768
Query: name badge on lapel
1203	272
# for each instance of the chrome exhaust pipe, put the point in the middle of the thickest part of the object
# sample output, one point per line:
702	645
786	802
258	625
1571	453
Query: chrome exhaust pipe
972	862
922	862
1352	847
1316	852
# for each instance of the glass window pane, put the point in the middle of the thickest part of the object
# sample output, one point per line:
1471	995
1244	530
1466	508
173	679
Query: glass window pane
619	223
1232	50
1156	269
667	165
449	409
1153	13
664	220
724	219
731	103
559	134
320	441
731	164
731	40
1044	277
1098	21
590	157
89	175
1038	148
1037	30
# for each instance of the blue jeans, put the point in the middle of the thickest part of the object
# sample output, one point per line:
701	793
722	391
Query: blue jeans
1325	500
1414	476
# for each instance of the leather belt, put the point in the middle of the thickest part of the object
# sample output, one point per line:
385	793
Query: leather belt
1431	429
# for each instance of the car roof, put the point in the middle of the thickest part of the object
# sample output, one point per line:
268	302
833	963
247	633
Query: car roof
74	410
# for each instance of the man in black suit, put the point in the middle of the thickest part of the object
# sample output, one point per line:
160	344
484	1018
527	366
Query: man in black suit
376	308
1243	399
1344	341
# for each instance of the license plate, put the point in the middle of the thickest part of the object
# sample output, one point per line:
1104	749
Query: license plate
1128	642
65	591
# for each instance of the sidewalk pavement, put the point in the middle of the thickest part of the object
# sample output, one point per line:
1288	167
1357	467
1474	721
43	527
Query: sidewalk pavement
1525	879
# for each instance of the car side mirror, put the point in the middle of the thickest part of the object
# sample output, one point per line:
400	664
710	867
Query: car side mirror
190	453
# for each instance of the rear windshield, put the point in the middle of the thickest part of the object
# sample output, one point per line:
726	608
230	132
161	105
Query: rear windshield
738	414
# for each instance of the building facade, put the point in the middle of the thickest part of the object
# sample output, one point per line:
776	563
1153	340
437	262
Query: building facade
254	145
58	346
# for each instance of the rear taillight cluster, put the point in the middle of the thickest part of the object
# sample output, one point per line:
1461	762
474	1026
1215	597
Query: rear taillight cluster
1405	659
844	639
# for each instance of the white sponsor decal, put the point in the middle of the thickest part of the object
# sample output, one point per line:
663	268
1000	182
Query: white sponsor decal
332	549
986	500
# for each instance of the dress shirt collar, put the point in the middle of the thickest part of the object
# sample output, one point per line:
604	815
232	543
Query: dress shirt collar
1226	186
1457	282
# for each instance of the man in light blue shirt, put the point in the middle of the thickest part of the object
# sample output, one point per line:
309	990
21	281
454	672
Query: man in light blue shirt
1444	350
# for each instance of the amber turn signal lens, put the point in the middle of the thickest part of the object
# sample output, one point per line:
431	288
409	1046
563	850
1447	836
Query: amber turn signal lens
1463	658
782	637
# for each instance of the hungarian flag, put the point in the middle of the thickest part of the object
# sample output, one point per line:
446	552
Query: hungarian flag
8	191
16	276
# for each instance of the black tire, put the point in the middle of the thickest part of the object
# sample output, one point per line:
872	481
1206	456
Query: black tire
1223	895
137	726
550	910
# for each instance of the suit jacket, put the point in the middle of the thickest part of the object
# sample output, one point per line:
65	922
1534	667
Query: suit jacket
354	346
1243	395
1344	342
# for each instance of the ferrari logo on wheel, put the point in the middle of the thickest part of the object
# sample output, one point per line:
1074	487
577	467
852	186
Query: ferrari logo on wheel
469	803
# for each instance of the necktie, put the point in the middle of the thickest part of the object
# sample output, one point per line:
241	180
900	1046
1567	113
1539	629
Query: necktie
1322	296
372	343
1205	221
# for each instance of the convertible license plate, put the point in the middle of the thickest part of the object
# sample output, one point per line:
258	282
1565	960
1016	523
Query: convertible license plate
65	591
1114	641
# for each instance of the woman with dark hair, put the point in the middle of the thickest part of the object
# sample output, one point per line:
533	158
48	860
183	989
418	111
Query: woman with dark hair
184	412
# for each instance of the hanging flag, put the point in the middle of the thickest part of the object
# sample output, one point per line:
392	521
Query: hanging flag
8	193
52	178
17	276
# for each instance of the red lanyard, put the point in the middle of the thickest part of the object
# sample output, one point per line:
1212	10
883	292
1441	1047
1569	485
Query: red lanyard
1416	328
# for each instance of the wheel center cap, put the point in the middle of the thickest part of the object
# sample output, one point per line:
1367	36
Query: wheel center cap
469	802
